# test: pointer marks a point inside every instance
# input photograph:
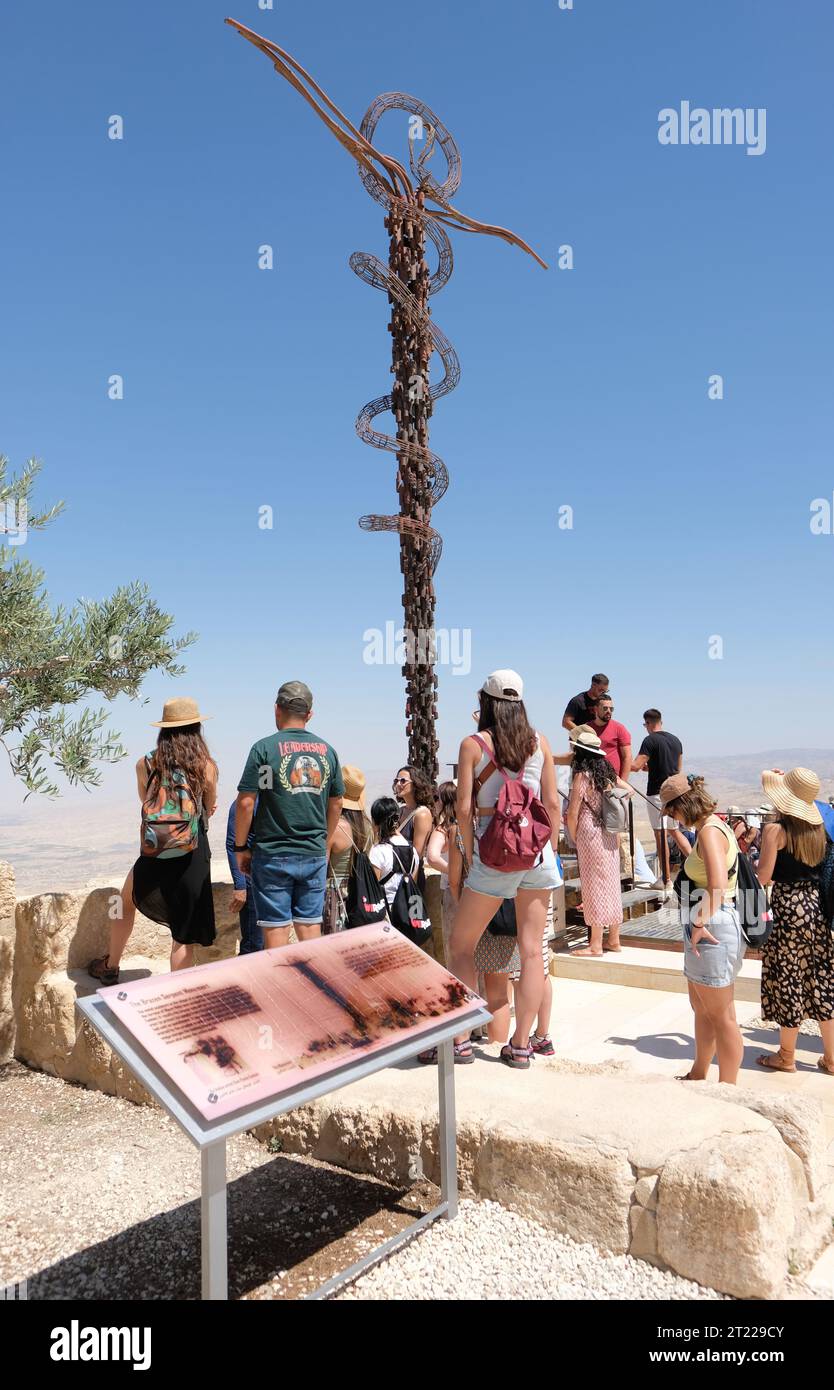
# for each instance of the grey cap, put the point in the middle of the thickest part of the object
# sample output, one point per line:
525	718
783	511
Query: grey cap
296	696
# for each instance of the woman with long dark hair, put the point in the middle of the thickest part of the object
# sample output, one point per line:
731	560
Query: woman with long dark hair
798	956
391	850
416	795
597	849
171	880
513	745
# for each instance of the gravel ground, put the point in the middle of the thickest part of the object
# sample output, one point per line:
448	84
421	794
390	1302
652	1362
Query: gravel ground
809	1026
99	1200
491	1253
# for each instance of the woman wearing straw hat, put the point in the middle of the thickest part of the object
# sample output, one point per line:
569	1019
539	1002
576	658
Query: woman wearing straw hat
171	880
597	849
798	956
713	944
353	835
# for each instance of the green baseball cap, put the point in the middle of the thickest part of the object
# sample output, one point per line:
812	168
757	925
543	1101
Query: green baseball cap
295	696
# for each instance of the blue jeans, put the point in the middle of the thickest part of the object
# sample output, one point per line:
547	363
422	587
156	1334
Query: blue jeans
288	888
251	935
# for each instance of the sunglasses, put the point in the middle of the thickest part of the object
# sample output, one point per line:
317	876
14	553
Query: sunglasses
401	781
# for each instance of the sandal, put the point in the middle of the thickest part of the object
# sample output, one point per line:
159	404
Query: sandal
516	1056
543	1047
821	1063
775	1061
463	1055
100	969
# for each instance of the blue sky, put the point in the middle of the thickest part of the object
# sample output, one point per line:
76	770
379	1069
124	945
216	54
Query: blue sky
585	388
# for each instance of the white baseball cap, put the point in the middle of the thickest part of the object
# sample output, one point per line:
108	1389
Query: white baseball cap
504	685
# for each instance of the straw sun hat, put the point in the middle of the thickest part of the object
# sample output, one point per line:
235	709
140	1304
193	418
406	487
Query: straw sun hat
585	738
179	712
354	797
794	793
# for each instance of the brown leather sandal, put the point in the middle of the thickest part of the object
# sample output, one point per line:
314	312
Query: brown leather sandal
829	1071
102	970
775	1061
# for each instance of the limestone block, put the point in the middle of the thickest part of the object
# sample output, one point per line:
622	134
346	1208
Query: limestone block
52	1036
643	1235
725	1214
6	1008
56	935
580	1190
360	1138
798	1119
645	1193
7	890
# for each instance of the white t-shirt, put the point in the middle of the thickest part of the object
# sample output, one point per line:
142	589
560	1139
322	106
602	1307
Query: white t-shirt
382	858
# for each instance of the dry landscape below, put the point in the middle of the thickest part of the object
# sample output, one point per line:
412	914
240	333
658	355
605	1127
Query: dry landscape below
91	841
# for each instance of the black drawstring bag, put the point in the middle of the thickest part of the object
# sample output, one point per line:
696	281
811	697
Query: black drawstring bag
504	923
365	899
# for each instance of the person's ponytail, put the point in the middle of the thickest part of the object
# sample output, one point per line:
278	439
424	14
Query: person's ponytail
385	814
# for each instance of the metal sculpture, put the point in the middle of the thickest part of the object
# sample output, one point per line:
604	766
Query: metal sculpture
422	478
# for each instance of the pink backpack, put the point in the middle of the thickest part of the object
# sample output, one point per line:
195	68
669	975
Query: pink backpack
519	827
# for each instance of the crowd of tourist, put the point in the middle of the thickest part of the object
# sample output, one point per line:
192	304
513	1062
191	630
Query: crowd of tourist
307	855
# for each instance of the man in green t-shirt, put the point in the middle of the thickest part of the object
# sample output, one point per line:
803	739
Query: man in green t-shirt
296	779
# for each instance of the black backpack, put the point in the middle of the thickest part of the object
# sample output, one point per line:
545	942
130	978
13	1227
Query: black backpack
752	905
407	912
365	898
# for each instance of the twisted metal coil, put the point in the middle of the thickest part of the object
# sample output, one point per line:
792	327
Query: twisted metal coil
404	197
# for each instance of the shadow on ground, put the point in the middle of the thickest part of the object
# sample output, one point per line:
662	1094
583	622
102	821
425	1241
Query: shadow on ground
285	1216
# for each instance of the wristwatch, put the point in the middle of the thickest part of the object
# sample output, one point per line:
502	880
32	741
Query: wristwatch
241	849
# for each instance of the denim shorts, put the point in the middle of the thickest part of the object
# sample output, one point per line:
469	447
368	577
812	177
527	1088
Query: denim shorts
497	884
717	964
288	888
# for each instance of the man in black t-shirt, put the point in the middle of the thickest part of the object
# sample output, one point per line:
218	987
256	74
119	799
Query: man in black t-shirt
661	755
582	709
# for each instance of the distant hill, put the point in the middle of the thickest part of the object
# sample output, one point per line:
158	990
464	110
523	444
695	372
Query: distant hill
735	780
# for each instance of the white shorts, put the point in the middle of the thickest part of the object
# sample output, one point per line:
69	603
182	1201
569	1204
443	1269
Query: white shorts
656	819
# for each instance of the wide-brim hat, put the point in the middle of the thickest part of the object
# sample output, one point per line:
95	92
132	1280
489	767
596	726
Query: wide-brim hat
587	740
179	712
354	797
794	793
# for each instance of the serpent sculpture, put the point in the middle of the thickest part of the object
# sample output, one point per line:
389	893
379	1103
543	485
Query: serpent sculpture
422	477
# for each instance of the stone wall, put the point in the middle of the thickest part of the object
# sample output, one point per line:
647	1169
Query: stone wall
56	934
7	905
725	1186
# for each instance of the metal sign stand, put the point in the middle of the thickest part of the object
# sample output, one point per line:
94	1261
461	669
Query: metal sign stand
210	1136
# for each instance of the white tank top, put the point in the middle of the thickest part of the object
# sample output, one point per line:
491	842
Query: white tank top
488	795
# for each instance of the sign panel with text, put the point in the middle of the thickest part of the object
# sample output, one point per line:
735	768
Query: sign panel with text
247	1029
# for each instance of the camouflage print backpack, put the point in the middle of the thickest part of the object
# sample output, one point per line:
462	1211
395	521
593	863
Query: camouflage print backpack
170	818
